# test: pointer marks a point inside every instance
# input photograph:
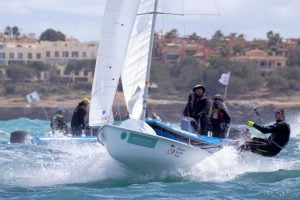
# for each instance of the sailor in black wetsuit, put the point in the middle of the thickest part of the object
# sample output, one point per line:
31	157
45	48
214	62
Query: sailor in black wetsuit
280	134
78	118
198	107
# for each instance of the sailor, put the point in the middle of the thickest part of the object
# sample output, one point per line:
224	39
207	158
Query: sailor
58	124
78	118
220	117
198	107
280	134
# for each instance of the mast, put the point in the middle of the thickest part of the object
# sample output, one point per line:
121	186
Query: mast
145	96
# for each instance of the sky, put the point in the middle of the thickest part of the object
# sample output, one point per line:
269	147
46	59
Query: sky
82	19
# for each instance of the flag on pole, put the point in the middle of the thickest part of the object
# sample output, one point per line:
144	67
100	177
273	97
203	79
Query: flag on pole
225	78
33	97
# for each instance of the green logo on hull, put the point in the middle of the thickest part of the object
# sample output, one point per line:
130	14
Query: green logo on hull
123	135
142	140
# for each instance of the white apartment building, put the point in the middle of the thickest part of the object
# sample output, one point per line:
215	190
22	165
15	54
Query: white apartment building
53	53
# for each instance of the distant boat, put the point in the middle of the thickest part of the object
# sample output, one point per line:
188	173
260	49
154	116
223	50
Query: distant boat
126	51
25	138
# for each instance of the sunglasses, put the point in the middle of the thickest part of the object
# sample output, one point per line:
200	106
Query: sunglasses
277	113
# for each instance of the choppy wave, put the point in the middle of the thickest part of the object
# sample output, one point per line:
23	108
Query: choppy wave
88	171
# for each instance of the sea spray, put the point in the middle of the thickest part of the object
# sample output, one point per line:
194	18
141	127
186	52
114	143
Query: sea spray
86	171
30	165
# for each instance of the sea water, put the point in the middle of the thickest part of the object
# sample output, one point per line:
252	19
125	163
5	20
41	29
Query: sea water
86	171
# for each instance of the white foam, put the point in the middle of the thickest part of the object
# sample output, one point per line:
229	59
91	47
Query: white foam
76	164
294	121
68	164
228	164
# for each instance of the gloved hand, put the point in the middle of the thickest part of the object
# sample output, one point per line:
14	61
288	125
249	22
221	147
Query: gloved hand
250	123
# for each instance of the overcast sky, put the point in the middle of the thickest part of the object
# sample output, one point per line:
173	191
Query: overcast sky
82	18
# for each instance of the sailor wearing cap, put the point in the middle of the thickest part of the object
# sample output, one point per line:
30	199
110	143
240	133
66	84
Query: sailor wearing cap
78	118
58	124
198	107
220	117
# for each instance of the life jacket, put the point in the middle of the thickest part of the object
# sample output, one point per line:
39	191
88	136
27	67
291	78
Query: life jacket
218	115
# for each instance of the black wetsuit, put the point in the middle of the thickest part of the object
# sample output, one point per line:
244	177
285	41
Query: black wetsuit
198	108
280	134
77	122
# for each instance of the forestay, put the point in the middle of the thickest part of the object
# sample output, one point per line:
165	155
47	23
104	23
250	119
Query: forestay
119	17
136	62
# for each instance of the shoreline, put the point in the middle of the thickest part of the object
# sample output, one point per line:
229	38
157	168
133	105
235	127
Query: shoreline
168	110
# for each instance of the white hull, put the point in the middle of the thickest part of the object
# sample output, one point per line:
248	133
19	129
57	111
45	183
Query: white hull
144	152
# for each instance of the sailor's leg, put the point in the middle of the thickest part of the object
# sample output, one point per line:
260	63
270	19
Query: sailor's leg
217	131
203	125
222	133
261	148
259	139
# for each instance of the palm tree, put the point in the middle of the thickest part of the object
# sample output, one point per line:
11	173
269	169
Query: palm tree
8	31
16	32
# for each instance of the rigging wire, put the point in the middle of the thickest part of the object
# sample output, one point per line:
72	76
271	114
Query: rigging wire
164	4
183	19
220	16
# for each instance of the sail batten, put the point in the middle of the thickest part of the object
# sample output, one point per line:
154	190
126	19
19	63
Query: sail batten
118	20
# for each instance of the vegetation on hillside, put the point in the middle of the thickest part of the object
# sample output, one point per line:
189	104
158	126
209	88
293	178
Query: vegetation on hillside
171	79
52	35
175	78
245	77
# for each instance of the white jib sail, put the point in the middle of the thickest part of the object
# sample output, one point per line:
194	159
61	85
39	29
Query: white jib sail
118	20
136	62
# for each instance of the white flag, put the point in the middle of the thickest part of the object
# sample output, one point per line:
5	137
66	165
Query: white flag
225	78
33	97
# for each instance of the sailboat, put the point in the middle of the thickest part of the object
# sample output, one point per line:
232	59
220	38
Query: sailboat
126	51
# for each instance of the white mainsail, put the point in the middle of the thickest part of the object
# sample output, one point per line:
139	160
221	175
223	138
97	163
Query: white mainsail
119	17
136	62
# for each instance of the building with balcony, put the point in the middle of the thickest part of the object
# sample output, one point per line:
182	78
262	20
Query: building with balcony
173	49
267	63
